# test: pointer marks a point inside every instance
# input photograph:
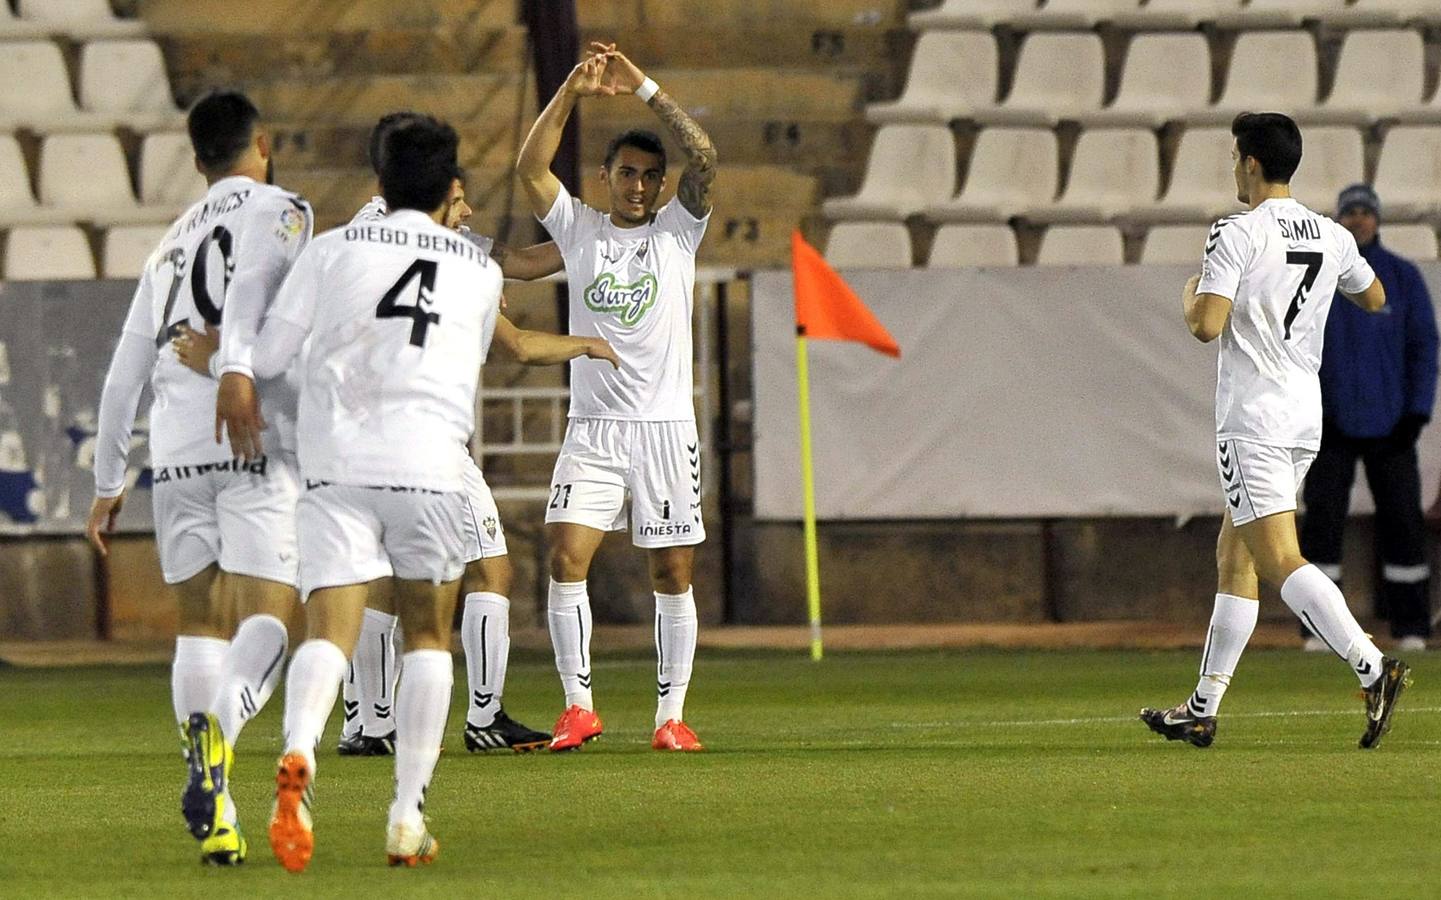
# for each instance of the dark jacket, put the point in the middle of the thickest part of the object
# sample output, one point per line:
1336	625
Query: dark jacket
1378	367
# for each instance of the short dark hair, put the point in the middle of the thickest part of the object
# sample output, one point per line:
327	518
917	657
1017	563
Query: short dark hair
377	134
418	164
221	126
640	139
1273	140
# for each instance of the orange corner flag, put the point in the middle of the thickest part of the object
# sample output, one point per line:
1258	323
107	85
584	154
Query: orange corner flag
827	308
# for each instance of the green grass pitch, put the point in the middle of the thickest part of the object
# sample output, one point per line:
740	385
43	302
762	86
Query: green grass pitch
909	774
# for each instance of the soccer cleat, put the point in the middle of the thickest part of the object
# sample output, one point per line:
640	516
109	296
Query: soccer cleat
502	733
292	837
1180	724
209	757
405	846
574	727
359	744
1381	700
225	847
675	735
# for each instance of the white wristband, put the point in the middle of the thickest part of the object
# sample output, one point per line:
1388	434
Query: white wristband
647	90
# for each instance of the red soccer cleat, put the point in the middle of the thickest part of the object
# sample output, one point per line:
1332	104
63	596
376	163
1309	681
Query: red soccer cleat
291	835
675	735
574	727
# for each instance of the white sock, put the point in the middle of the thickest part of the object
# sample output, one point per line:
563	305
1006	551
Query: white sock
195	674
568	611
310	690
485	633
675	636
422	707
1232	621
370	680
252	669
1319	604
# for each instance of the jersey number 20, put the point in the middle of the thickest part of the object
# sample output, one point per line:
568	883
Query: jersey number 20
1312	261
421	318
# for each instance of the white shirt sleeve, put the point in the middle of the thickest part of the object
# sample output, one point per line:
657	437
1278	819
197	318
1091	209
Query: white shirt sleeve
291	316
563	217
1227	248
483	242
676	219
130	368
279	232
1356	273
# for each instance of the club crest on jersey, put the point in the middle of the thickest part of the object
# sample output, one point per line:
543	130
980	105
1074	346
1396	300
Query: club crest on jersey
490	526
292	223
627	302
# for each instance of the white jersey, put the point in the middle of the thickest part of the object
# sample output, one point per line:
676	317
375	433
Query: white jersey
375	210
224	259
398	315
634	287
1280	264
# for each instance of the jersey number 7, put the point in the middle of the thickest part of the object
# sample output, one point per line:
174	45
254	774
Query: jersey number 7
421	318
1312	261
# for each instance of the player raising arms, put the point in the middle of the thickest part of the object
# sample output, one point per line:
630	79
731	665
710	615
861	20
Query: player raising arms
1265	288
220	263
632	278
399	315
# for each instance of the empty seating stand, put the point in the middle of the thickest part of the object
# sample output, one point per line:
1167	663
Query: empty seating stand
1058	76
953	74
1174	245
126	81
869	245
910	168
960	246
1165	75
1081	245
1011	170
48	253
127	247
1113	170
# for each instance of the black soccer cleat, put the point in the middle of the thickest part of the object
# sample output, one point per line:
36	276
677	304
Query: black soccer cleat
1381	700
359	744
1180	724
504	733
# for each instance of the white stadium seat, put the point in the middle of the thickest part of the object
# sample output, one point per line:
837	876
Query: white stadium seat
1165	75
167	172
1416	242
127	247
85	176
1203	186
127	80
1081	245
1270	70
1059	76
959	246
910	167
1112	170
13	27
17	201
952	74
1332	157
1280	13
1173	14
869	245
1363	13
1070	14
45	102
1170	245
78	18
1408	172
48	253
969	14
1378	76
1012	169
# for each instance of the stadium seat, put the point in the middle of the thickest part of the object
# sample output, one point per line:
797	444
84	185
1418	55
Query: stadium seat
869	245
1416	242
1378	76
85	175
1279	13
1064	15
952	74
48	253
78	18
127	80
1081	245
45	103
1112	170
1203	183
1269	70
1381	13
910	167
1167	15
17	202
960	246
969	14
1165	75
1012	169
1059	76
1169	245
167	172
12	27
1408	172
127	247
1332	158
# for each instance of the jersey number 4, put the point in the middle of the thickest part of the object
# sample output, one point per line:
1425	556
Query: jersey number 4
421	318
1312	261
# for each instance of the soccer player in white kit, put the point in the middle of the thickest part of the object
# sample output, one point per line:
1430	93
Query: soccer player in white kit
395	318
1265	288
632	432
225	527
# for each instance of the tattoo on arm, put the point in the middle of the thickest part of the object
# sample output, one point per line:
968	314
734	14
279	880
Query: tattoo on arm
694	189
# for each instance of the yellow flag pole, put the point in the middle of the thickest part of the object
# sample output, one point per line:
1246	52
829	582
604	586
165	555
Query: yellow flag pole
808	479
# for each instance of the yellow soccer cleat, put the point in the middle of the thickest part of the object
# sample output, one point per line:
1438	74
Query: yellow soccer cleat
225	847
209	757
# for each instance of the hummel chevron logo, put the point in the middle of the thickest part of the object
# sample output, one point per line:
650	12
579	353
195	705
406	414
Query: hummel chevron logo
381	711
352	709
1364	668
483	699
662	688
584	679
1235	501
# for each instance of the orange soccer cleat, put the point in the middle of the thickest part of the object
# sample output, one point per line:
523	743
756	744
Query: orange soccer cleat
574	727
291	835
406	846
675	735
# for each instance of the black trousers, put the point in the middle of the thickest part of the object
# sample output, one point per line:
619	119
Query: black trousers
1395	482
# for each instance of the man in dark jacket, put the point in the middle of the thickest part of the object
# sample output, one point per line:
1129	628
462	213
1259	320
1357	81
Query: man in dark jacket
1378	384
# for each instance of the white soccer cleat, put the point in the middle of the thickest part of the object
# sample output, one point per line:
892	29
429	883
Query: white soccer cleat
407	846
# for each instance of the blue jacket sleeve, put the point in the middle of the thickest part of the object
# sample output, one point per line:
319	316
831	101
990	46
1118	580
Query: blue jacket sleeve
1421	341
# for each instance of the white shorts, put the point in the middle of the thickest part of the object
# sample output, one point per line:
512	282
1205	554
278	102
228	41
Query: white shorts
238	514
484	536
656	463
352	535
1260	480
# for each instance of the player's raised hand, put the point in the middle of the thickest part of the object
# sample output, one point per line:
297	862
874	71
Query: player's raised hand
102	520
600	348
237	414
622	75
196	347
587	79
